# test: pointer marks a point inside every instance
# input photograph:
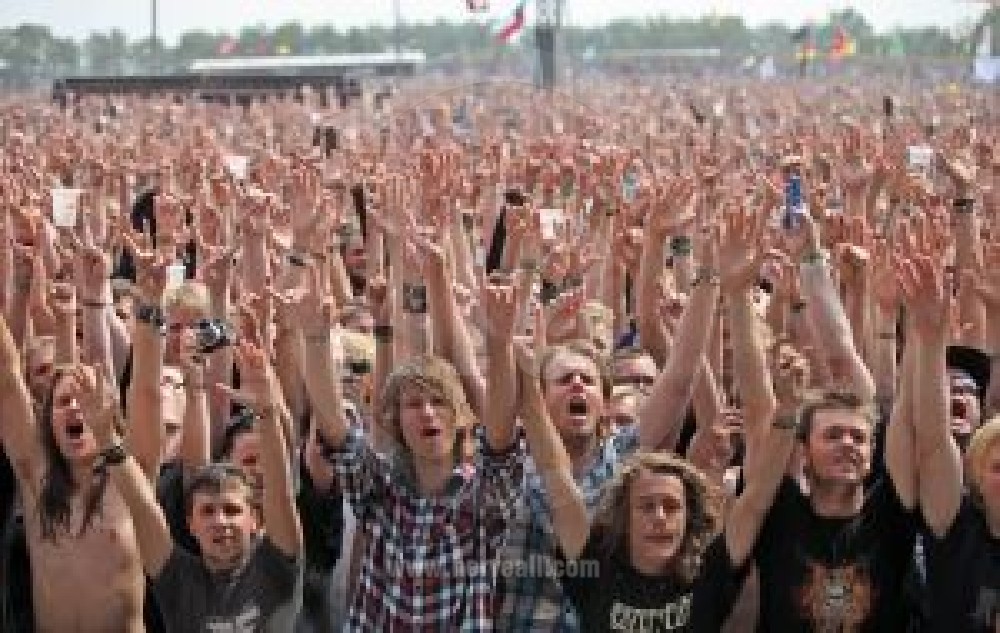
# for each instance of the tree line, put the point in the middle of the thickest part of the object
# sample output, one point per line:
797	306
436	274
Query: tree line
33	53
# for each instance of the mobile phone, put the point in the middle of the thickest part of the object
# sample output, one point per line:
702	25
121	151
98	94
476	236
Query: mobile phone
920	159
793	202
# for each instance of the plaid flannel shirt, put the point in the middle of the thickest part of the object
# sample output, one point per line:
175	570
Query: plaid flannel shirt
532	598
429	563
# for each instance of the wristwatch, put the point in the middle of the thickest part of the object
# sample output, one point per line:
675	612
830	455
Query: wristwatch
151	315
111	456
789	422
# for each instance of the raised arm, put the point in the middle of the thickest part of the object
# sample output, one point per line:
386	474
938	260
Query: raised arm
18	430
826	312
146	434
280	514
938	459
196	440
101	409
321	370
500	303
661	414
451	336
739	268
765	467
569	511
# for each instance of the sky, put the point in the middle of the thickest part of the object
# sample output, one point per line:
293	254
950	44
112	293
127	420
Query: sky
77	18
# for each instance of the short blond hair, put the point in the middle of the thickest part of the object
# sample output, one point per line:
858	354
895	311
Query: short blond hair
985	438
190	295
436	376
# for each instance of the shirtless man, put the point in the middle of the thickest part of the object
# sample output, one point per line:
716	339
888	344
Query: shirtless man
85	565
85	569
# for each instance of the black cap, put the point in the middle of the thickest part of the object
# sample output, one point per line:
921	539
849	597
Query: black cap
972	361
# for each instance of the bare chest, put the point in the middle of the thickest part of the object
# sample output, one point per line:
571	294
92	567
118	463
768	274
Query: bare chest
88	579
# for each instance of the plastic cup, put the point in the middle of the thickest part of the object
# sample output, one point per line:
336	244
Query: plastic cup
65	207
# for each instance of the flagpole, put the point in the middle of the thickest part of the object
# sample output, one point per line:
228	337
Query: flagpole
152	35
396	30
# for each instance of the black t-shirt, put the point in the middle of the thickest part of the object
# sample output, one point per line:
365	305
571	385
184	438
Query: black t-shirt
818	573
263	596
619	598
963	576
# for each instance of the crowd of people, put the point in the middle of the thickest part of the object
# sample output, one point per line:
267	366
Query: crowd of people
656	356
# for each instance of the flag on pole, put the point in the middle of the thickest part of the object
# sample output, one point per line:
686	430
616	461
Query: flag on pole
505	30
842	44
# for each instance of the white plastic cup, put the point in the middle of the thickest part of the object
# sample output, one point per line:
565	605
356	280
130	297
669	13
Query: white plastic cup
549	219
175	276
65	207
237	166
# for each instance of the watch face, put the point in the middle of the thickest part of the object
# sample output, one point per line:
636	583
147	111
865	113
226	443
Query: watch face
414	298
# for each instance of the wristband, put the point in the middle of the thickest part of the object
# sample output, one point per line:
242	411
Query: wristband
786	422
680	245
98	305
888	336
111	456
814	257
150	315
382	333
296	260
964	205
798	306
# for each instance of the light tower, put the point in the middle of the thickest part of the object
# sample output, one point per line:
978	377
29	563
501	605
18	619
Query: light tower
548	18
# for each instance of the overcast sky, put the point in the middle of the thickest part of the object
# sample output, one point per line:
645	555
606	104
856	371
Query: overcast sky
77	18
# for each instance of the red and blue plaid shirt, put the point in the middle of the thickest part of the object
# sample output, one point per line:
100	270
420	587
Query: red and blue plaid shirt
429	563
532	599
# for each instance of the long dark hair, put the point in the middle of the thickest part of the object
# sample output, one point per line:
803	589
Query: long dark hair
54	509
704	510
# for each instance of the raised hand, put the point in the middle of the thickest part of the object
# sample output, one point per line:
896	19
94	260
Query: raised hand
500	300
92	269
739	250
927	298
150	268
314	309
790	378
98	400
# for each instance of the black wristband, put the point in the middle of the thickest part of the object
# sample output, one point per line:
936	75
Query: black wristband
964	205
680	245
111	456
382	332
150	315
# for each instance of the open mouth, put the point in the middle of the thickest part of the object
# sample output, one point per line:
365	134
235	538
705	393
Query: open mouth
578	406
849	461
74	430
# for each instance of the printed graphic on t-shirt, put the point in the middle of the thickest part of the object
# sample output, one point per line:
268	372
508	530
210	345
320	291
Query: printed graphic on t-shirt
672	616
246	622
836	599
987	608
